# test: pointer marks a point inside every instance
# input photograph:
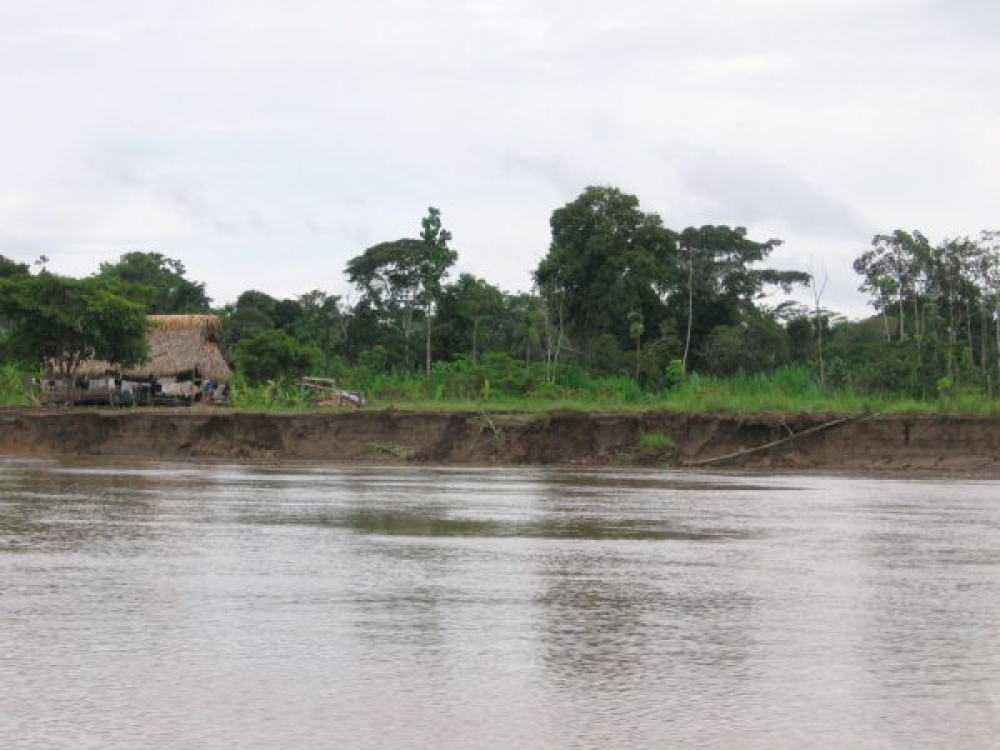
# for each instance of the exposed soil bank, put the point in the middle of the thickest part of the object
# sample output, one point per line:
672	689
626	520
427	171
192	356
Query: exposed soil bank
912	444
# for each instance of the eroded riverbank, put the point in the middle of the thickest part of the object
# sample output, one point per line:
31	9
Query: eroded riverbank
956	445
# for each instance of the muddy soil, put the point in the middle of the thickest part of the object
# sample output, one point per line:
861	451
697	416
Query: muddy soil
967	446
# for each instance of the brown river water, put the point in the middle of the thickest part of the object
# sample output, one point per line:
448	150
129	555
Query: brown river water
173	605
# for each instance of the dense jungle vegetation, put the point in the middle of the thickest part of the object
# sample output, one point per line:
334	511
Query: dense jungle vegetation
625	312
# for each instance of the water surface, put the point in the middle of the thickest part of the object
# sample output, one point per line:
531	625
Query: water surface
222	606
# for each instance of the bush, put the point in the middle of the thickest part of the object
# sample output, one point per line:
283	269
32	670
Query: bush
274	354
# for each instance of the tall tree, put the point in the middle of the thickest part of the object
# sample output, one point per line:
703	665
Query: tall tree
990	276
322	322
467	304
435	259
722	278
607	258
10	268
818	286
252	313
388	279
61	321
636	328
396	279
158	281
893	266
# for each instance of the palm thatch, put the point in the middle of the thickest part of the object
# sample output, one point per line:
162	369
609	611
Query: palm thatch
179	346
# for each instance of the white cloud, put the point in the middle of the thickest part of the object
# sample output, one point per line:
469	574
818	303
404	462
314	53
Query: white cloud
266	143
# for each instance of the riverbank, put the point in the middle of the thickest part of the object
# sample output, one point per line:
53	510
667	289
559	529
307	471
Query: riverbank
922	445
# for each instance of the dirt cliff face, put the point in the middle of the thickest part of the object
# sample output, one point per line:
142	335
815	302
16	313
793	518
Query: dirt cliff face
934	445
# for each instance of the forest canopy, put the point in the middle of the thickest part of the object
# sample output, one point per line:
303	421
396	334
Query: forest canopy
618	296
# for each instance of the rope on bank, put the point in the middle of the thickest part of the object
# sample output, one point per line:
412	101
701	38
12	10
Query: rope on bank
781	441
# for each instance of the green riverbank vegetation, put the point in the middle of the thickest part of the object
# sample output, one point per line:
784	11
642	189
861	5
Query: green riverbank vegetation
625	314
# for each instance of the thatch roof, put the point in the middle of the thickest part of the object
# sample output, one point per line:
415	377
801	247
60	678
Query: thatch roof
178	345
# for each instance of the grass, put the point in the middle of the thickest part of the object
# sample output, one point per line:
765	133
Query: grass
657	441
790	390
14	387
386	448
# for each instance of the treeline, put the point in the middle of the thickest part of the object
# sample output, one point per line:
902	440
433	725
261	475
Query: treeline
620	301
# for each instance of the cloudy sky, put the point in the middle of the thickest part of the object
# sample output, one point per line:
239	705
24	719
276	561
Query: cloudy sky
264	143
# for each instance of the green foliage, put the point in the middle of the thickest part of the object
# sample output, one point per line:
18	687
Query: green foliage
946	387
607	259
605	358
719	279
271	395
754	345
62	321
386	448
471	317
675	374
626	314
10	268
657	441
274	354
15	387
399	279
158	282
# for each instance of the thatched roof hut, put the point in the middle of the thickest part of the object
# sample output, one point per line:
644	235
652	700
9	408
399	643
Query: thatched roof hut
180	346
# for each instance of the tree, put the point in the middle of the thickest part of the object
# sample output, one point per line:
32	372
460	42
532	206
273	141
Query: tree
9	268
321	322
893	266
465	305
755	344
398	278
434	261
274	354
818	287
524	322
159	282
606	259
721	279
388	278
61	321
252	313
635	330
990	279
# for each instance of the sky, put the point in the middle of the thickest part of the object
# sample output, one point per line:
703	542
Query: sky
265	143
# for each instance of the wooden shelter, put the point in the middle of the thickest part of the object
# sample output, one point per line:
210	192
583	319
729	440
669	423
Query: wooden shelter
181	347
184	347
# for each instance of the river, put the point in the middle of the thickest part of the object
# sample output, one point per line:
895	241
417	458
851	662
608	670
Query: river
175	605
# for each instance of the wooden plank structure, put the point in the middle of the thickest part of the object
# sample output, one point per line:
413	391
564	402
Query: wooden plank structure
328	394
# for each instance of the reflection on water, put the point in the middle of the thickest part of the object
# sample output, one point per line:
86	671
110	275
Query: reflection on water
376	607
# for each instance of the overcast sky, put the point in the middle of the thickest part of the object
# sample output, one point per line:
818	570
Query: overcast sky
266	143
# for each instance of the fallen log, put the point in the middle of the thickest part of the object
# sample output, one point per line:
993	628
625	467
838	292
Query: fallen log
776	443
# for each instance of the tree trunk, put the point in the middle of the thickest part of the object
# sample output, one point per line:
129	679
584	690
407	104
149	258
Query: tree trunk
997	342
428	344
690	322
638	344
902	315
818	310
475	336
968	328
407	326
984	338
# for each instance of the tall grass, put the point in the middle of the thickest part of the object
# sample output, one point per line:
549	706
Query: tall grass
790	389
504	385
15	389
